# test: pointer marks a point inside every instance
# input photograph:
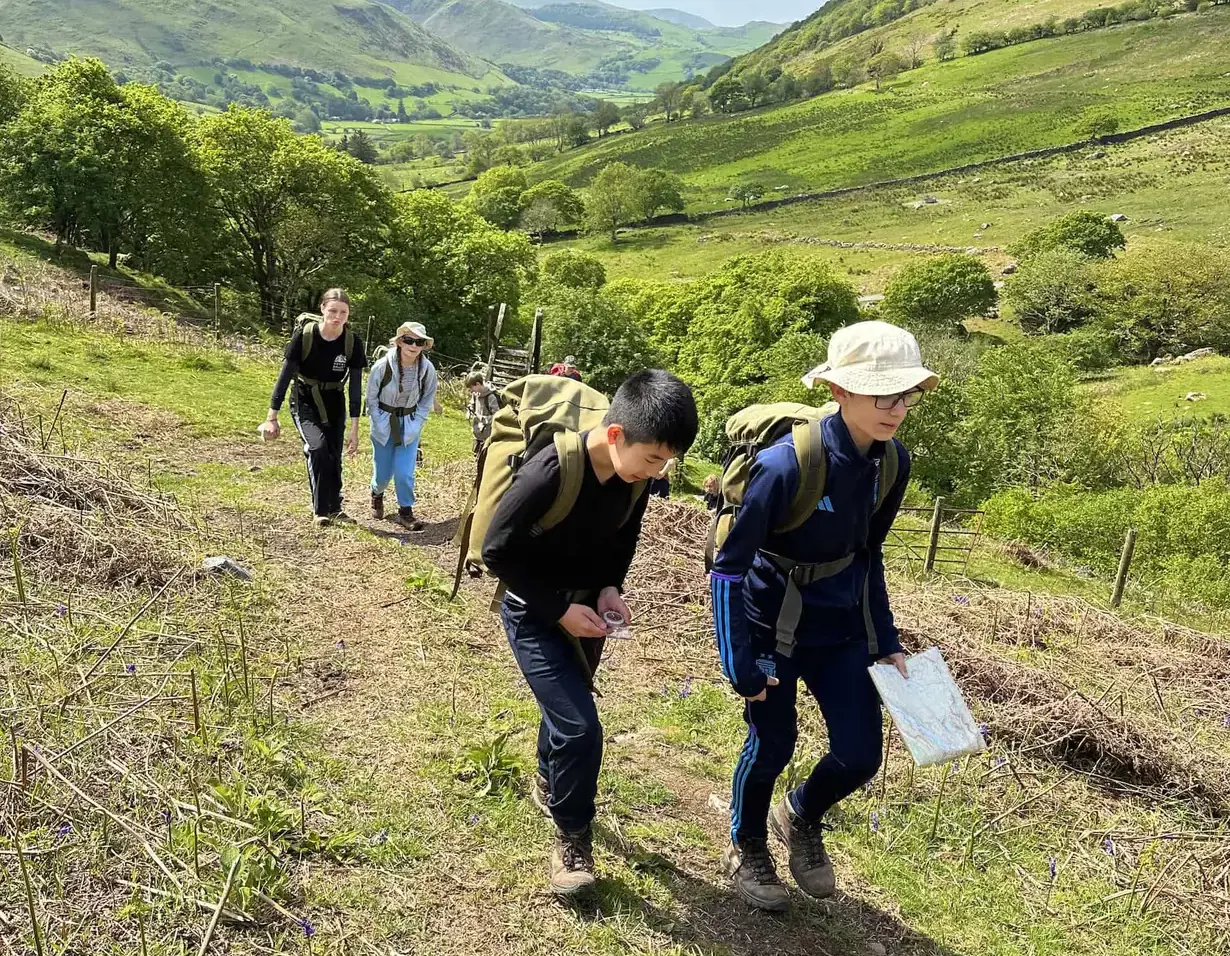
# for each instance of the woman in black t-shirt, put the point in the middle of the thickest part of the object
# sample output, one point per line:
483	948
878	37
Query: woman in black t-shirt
320	357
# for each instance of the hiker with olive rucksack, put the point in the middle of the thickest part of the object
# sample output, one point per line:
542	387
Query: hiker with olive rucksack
323	359
401	393
556	515
797	580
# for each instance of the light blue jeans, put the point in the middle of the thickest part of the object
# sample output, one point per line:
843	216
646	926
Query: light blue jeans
395	463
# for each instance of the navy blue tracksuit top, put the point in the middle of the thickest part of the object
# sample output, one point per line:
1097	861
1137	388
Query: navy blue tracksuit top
748	588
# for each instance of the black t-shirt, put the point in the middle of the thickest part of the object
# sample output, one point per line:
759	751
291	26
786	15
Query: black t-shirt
325	363
587	551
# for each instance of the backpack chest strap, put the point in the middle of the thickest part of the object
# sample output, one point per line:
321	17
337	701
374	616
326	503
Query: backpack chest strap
799	575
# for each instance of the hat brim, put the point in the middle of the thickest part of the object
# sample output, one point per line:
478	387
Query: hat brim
865	381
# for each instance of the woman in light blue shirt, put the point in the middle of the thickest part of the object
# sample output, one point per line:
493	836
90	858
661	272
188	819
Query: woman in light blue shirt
401	391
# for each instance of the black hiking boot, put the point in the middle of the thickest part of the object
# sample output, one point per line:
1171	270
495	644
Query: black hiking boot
340	517
540	796
572	863
377	507
750	865
809	861
405	518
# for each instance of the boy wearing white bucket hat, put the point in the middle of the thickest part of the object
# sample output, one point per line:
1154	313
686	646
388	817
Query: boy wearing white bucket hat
825	578
401	392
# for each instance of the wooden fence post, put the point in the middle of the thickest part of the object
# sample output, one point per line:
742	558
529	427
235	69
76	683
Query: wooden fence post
93	289
495	341
933	544
218	310
536	347
1125	565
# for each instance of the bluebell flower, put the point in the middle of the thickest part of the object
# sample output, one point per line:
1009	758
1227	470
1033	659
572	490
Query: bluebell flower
1225	721
308	929
61	610
381	837
341	645
962	599
474	818
1108	845
984	729
130	668
1054	868
64	830
685	689
875	822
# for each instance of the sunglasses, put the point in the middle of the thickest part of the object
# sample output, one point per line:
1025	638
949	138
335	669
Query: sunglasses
908	399
411	340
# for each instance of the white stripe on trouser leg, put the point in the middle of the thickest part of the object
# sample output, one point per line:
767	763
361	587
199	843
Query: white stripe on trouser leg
307	461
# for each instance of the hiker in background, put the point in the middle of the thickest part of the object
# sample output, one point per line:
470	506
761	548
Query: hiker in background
566	368
560	582
481	408
401	390
322	355
712	496
810	603
660	486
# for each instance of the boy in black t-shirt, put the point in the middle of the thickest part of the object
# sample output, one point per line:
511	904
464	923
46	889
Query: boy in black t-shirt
320	357
560	582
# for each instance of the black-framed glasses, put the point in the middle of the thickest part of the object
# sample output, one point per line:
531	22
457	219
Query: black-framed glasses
908	399
411	340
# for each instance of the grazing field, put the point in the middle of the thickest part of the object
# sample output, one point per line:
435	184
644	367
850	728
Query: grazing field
941	115
1173	184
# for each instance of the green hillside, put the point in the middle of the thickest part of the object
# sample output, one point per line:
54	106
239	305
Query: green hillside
360	37
606	45
19	62
942	115
837	28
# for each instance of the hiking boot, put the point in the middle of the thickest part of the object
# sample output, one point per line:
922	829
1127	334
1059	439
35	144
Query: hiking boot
572	863
405	518
321	521
540	796
377	507
750	866
809	862
340	517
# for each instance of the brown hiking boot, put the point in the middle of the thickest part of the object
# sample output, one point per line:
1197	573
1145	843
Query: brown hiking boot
572	863
750	866
405	518
809	862
540	796
377	507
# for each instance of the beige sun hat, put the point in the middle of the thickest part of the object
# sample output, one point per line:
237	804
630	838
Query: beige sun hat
873	358
417	329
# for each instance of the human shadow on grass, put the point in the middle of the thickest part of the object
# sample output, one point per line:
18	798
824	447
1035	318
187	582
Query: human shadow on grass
714	919
434	534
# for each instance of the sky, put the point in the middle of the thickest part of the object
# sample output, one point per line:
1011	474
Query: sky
732	13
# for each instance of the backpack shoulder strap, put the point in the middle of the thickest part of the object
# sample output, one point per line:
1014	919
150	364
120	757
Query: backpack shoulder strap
813	473
387	376
638	491
890	467
571	476
348	343
309	338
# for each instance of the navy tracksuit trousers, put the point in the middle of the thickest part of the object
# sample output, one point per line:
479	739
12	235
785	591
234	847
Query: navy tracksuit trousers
837	676
569	733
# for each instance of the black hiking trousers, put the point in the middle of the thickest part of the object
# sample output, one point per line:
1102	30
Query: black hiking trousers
322	446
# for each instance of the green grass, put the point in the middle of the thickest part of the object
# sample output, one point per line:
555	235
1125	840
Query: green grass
1148	394
18	62
942	115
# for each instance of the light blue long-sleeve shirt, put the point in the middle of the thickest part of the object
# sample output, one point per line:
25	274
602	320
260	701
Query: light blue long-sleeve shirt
413	387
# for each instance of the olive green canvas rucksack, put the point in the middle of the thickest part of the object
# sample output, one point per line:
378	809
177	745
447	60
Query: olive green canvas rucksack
310	325
536	412
753	430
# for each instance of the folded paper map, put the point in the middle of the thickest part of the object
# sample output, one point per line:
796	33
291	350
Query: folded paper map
928	709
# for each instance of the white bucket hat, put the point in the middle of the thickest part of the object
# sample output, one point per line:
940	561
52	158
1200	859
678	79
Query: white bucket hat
873	358
416	329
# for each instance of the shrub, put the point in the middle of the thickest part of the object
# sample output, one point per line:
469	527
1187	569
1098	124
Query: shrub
1086	350
1054	291
610	344
496	195
1088	233
1166	297
939	292
576	270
